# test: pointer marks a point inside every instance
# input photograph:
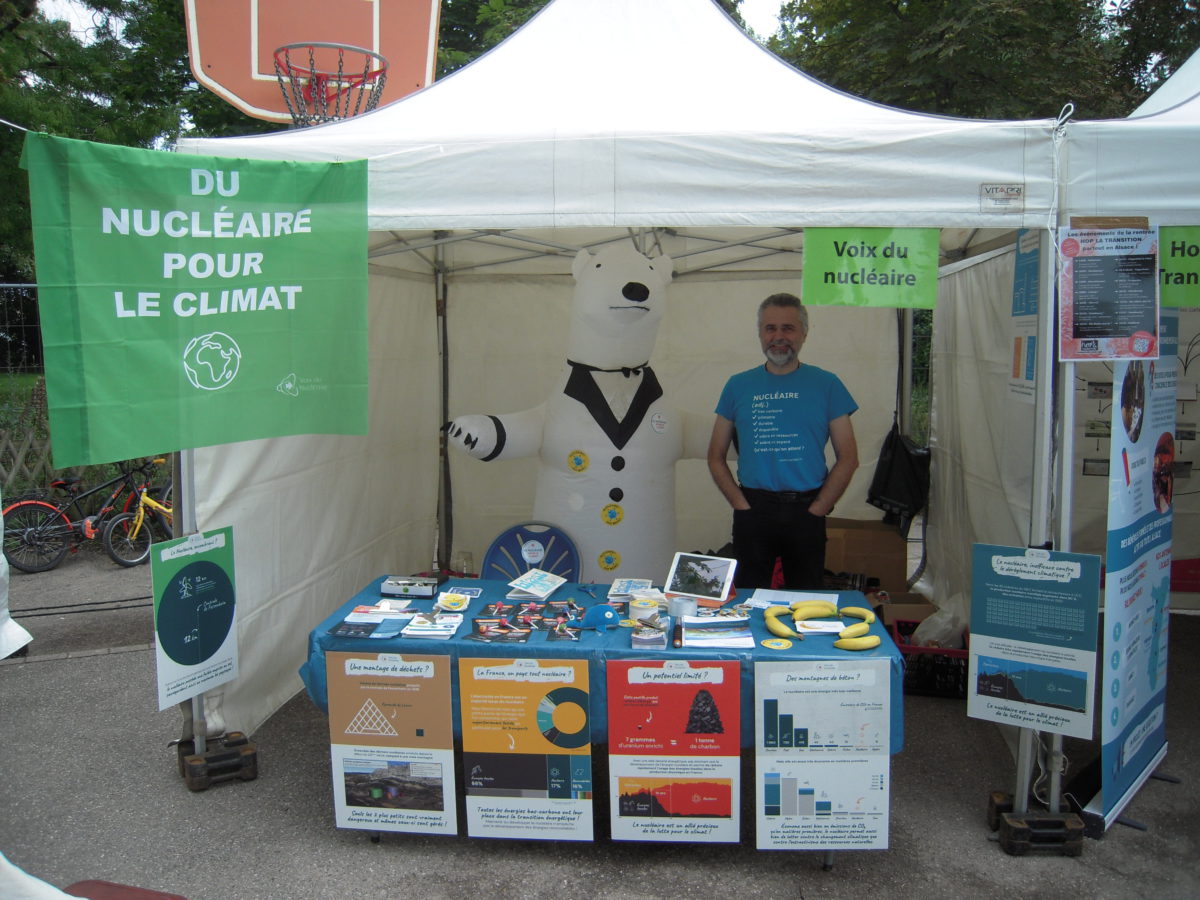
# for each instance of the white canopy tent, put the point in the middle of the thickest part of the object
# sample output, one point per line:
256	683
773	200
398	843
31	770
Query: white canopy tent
600	120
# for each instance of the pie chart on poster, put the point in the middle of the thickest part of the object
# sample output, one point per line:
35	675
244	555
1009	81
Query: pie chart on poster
195	613
562	717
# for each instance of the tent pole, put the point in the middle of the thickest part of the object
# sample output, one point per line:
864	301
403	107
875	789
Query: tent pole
444	538
906	368
1041	502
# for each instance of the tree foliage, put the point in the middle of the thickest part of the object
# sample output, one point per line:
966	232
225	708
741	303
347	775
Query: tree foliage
998	59
126	81
992	58
1156	37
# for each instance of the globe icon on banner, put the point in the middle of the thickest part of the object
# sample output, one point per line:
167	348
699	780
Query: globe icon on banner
211	361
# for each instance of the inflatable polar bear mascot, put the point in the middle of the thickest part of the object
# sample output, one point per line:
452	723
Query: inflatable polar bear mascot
607	437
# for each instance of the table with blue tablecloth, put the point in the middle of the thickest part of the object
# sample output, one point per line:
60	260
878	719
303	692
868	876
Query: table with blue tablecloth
596	647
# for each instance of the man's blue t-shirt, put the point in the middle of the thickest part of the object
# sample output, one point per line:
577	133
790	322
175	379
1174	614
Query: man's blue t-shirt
782	424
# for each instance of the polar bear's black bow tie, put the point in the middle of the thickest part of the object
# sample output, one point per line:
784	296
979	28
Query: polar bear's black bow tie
627	371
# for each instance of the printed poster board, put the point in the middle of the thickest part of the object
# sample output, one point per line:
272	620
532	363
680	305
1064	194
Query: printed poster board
527	751
822	766
1023	322
195	614
674	760
391	736
1034	625
1108	291
1137	585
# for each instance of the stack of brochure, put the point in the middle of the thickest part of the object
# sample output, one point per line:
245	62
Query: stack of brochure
651	637
622	588
717	631
441	626
382	621
536	584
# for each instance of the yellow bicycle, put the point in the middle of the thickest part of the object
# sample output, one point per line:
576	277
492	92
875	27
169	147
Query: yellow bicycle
128	536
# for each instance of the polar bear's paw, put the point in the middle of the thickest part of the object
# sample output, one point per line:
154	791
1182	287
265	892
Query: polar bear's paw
478	436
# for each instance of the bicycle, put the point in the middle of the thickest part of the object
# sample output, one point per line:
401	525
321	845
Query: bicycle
39	532
128	535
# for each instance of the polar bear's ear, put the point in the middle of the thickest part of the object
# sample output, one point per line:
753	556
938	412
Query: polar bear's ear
664	268
582	258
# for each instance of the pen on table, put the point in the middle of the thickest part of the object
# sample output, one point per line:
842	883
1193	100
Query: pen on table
677	639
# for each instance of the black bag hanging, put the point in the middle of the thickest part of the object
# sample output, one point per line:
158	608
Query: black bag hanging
900	486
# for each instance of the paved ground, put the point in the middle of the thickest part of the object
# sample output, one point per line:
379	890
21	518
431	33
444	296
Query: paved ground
87	603
89	789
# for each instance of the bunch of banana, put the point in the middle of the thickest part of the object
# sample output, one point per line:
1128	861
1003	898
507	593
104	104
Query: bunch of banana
772	616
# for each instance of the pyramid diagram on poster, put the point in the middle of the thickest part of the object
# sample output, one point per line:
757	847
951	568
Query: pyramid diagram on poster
370	720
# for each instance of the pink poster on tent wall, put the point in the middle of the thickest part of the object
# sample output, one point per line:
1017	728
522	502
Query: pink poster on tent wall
1108	291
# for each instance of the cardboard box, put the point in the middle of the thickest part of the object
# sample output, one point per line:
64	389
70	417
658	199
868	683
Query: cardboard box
870	548
914	608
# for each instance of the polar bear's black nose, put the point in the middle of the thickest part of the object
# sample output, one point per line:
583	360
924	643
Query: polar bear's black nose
635	291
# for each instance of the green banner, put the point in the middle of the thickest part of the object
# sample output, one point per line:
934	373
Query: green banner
887	267
188	301
1179	266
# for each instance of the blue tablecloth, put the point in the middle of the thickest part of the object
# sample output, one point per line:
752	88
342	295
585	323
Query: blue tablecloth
594	646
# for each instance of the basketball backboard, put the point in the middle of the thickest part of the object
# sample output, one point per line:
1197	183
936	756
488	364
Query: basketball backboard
232	44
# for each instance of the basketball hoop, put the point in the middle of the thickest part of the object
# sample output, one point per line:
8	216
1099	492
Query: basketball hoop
325	82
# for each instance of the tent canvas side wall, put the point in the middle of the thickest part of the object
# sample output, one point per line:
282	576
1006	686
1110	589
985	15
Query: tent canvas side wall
315	517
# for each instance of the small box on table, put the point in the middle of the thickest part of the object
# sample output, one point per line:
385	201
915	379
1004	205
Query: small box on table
408	586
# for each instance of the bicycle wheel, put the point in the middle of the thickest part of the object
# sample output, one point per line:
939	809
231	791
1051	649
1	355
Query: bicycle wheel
125	546
37	536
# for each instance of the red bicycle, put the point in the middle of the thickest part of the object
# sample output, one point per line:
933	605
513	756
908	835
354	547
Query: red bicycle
38	533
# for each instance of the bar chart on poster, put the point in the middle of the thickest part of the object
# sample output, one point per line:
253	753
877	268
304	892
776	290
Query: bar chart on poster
822	764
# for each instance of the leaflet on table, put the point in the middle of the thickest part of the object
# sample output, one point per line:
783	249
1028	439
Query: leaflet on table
375	621
527	754
674	729
490	629
763	597
624	587
536	584
439	626
822	743
471	592
717	631
392	742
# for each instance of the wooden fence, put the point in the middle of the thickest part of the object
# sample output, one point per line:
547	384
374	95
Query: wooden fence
24	461
25	446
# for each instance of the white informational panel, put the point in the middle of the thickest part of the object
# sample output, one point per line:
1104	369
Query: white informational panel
195	614
1034	622
392	742
822	769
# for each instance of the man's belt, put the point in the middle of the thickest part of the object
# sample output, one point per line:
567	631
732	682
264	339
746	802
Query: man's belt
753	494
